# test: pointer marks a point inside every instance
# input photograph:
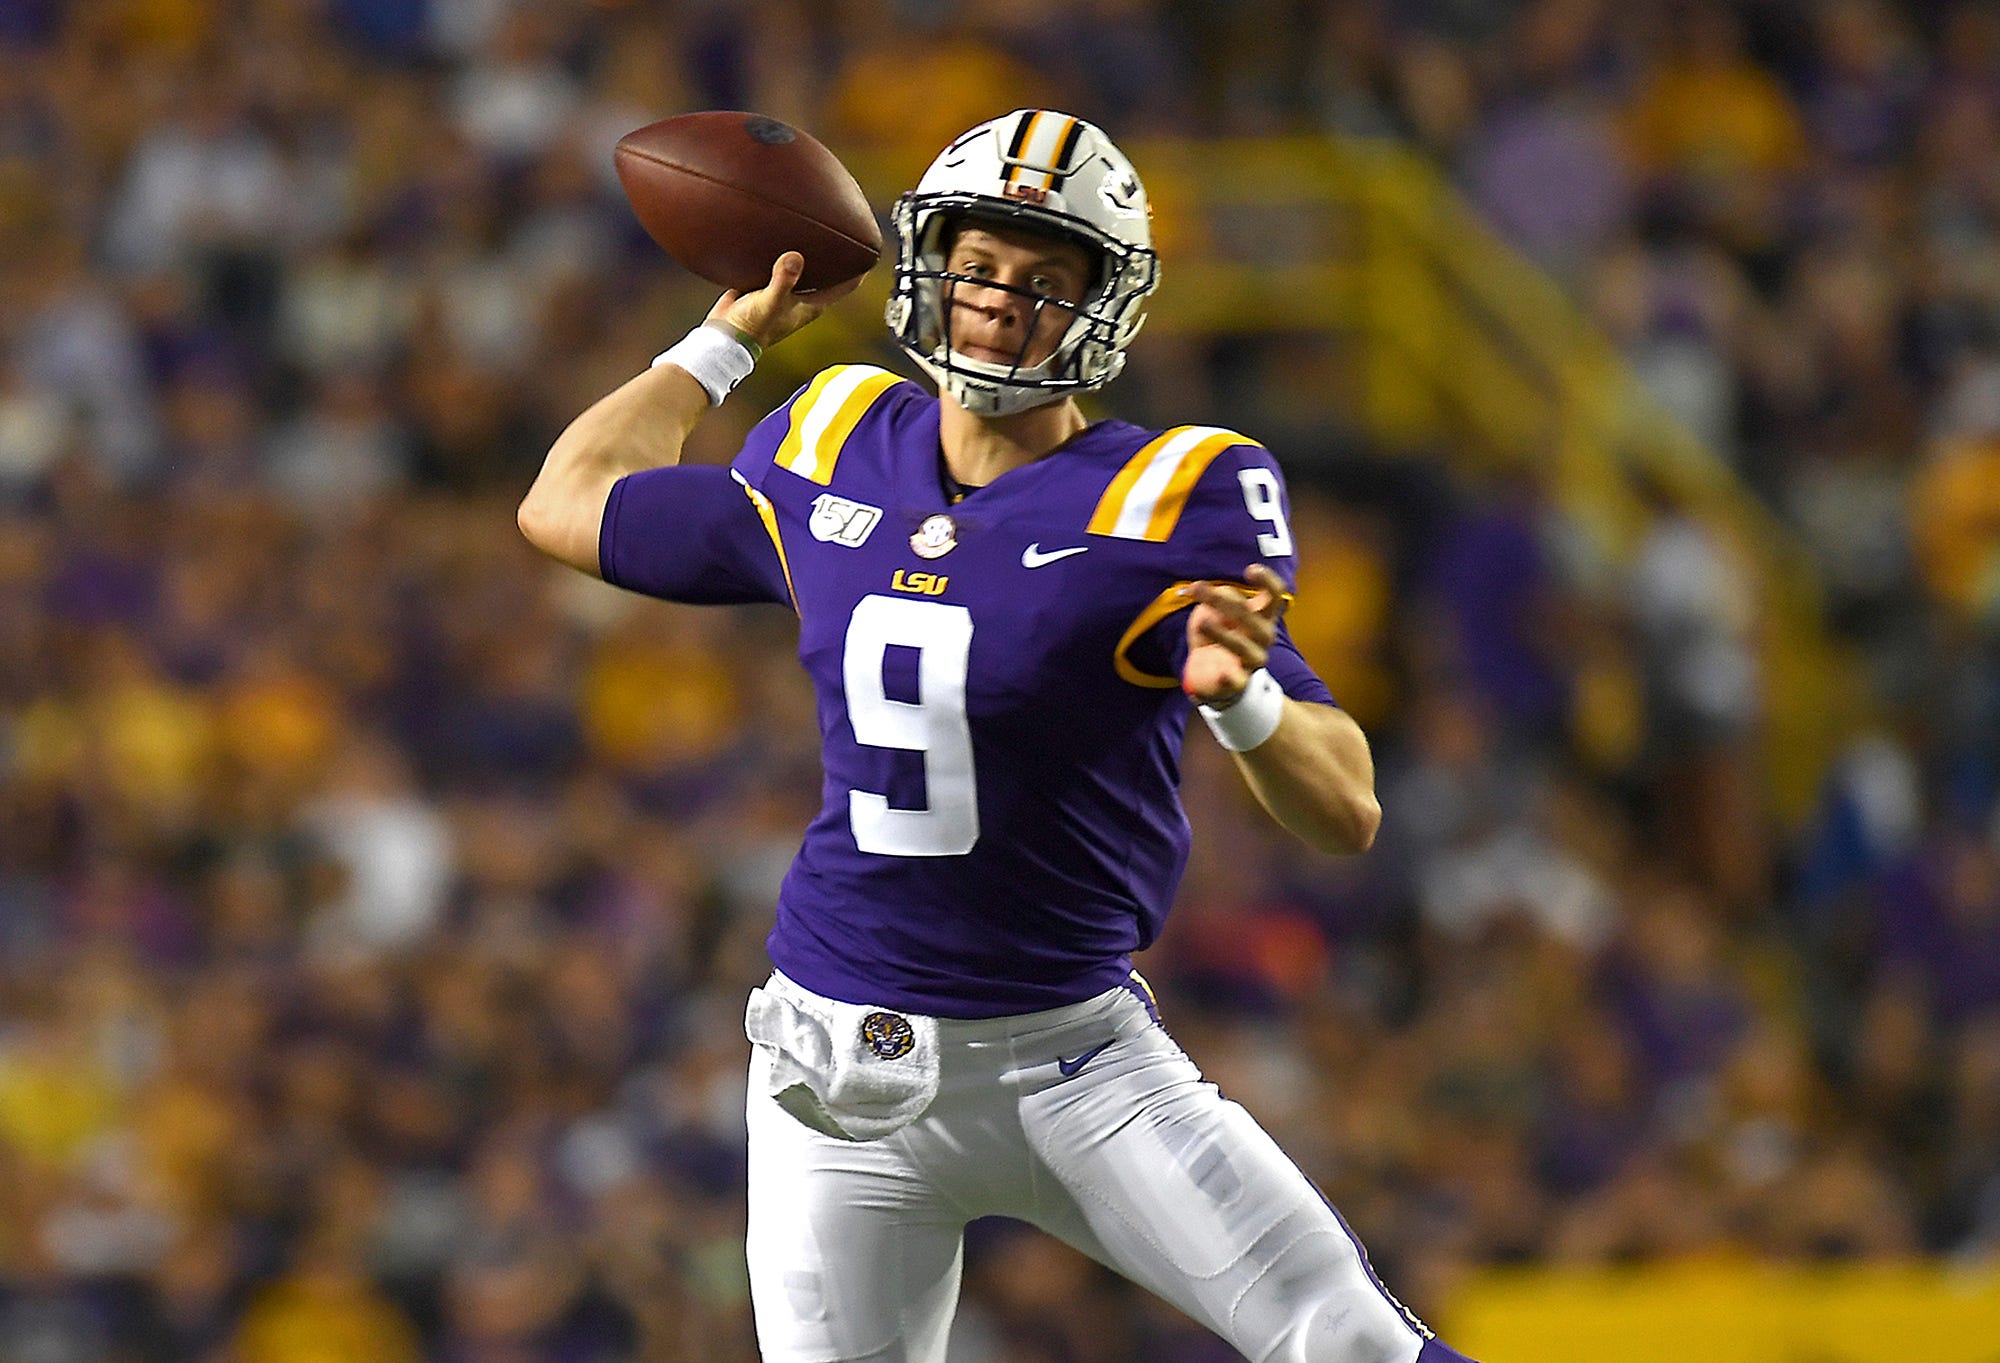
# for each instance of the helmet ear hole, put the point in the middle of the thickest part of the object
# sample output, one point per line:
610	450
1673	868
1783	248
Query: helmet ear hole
939	233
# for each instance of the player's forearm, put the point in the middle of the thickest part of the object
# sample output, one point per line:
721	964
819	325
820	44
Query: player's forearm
1315	776
641	424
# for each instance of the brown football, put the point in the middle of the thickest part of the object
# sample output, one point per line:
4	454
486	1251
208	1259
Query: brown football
727	193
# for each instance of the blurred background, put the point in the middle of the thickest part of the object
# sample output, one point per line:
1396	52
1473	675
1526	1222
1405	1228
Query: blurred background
377	902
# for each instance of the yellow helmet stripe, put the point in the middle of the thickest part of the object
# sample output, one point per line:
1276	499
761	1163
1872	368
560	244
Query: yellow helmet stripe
1146	499
1018	153
1020	138
1041	145
1045	139
826	414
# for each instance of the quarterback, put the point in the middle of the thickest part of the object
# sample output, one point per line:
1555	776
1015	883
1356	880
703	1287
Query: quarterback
1009	615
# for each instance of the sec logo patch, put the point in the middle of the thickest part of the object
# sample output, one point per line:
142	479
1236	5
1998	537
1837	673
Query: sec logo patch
936	537
888	1035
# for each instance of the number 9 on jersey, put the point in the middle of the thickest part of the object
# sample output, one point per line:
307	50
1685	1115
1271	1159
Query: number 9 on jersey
934	725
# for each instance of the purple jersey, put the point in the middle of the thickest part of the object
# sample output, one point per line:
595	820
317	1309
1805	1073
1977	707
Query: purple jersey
997	680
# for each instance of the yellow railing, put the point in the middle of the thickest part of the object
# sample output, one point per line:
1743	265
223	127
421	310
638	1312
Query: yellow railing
1456	346
1517	374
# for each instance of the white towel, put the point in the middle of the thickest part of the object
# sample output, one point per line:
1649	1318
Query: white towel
851	1070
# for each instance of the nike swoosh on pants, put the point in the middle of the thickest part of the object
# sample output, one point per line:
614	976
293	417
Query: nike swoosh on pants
1070	1067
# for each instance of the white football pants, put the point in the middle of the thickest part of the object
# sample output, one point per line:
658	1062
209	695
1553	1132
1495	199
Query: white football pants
855	1248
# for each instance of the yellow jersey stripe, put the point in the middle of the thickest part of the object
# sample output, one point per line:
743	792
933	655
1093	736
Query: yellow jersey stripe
1173	497
1104	520
841	421
792	452
769	515
825	416
1145	500
1161	606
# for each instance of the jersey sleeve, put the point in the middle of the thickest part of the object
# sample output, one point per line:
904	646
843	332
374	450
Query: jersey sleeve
806	435
709	535
1238	514
1235	513
753	463
692	533
1163	651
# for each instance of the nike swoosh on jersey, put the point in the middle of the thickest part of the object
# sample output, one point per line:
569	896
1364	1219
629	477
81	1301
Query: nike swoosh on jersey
1070	1067
1033	557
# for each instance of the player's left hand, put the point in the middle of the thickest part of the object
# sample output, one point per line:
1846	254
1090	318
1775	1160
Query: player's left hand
1230	634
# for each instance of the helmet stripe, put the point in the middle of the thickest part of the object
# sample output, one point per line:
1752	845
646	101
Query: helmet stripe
1024	141
1021	134
1070	139
1044	138
1043	143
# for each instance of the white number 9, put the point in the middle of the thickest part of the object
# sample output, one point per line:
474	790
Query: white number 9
933	725
1260	496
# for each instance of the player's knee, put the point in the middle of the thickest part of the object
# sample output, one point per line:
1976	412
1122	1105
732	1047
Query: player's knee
1344	1334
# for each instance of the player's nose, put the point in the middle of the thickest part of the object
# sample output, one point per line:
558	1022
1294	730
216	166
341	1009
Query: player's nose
998	305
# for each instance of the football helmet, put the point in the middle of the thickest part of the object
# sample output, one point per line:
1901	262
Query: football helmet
1046	172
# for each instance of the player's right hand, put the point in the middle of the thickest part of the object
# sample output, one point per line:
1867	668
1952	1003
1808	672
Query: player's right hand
774	312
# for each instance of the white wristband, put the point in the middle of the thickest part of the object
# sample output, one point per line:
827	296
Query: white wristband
716	357
1253	718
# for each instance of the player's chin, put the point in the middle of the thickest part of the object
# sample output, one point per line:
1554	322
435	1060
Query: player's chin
987	354
1004	355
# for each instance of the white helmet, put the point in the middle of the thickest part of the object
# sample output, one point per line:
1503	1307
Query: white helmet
1046	172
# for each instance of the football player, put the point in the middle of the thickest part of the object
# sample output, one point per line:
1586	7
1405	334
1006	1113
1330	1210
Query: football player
1009	614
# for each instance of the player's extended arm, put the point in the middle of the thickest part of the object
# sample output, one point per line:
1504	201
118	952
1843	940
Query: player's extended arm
643	423
1314	774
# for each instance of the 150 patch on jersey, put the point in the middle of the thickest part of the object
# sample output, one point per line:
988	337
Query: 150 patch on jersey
836	520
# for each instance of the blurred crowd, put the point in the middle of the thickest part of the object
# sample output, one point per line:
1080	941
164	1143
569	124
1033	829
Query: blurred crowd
377	902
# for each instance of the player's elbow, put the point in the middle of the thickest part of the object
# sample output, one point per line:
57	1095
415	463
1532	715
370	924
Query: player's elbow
1345	825
1364	821
555	530
534	521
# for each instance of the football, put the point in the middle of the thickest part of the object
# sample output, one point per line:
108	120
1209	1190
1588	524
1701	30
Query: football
727	193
